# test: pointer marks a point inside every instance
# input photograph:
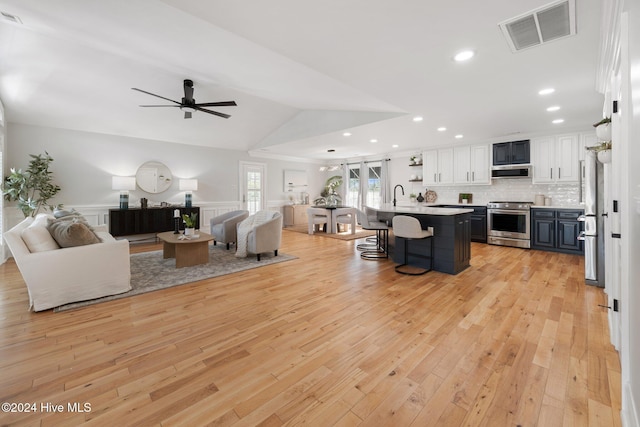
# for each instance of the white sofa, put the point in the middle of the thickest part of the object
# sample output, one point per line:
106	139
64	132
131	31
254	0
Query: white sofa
58	276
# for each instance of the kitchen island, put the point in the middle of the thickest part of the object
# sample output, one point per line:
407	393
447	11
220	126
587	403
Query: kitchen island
452	236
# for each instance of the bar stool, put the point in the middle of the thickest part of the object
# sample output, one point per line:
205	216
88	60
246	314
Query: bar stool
409	228
372	215
379	249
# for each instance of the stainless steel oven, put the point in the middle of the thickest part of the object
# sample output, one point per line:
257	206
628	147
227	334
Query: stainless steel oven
508	224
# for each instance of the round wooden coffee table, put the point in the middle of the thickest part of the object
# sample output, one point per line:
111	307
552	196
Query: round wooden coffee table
187	252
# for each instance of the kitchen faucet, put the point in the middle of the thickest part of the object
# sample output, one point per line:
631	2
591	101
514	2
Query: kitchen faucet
394	193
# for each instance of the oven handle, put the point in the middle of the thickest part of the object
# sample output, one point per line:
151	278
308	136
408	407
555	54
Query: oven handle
508	211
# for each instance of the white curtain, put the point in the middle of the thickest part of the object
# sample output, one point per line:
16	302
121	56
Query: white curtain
364	185
344	193
385	184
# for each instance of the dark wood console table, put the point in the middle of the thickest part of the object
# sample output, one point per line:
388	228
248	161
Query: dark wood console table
126	222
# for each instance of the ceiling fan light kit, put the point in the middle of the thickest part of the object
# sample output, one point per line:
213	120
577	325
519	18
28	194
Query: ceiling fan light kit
188	103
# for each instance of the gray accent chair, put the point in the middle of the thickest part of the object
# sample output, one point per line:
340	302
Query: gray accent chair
266	237
223	227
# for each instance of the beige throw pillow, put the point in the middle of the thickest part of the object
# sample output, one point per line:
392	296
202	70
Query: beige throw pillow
38	239
72	232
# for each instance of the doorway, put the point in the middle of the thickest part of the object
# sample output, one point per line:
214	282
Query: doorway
252	186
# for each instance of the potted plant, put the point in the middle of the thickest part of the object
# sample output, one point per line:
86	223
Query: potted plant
329	194
603	129
603	151
190	222
465	198
32	188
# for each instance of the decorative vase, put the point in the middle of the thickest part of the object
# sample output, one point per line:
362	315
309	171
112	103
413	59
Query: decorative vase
420	199
604	156
603	132
189	231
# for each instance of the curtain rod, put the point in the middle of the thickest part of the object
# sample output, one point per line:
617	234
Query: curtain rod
370	161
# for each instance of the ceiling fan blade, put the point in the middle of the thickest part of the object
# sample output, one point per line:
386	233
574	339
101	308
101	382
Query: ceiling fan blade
215	113
188	91
173	106
218	104
187	114
157	96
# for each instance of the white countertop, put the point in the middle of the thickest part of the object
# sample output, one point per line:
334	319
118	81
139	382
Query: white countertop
557	207
424	209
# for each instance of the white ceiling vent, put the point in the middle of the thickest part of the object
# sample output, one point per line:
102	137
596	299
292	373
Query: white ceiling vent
547	23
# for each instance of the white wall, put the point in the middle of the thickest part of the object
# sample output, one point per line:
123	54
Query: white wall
84	163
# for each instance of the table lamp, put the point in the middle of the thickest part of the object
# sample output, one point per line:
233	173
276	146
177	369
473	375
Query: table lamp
188	185
123	184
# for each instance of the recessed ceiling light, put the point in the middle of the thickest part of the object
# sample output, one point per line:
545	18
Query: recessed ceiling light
346	134
395	146
373	141
465	55
442	129
418	119
458	136
546	91
554	108
557	121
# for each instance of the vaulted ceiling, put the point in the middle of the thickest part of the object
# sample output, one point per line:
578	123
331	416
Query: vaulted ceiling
302	72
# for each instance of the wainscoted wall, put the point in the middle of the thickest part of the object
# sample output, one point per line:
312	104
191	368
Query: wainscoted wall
512	190
99	215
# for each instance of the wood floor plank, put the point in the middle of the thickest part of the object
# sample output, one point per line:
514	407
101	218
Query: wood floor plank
327	339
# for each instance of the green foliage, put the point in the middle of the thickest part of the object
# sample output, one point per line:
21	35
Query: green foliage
190	221
331	185
32	188
603	146
602	122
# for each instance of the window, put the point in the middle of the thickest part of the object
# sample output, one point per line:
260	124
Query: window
254	191
353	186
373	183
373	190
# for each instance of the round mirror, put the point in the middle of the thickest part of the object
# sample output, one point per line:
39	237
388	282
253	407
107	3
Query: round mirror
153	177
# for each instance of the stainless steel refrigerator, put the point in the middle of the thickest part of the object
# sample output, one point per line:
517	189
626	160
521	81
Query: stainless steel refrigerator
593	234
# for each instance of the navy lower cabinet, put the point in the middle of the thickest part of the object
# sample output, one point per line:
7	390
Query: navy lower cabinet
556	230
478	222
543	230
452	243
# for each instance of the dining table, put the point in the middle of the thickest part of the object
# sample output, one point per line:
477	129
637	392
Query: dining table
331	216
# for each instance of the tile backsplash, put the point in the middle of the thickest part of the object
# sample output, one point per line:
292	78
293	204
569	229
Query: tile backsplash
512	190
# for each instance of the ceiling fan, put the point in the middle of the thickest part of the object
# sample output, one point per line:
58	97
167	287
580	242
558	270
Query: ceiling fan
188	104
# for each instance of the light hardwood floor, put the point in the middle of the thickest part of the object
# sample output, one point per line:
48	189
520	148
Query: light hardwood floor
327	339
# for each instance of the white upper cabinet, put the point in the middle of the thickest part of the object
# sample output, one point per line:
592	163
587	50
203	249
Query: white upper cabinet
555	159
542	159
471	164
437	167
462	165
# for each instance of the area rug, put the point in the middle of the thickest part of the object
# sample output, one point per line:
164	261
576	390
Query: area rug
150	272
346	235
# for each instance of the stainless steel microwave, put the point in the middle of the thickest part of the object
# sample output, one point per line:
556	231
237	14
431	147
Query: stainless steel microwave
511	171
